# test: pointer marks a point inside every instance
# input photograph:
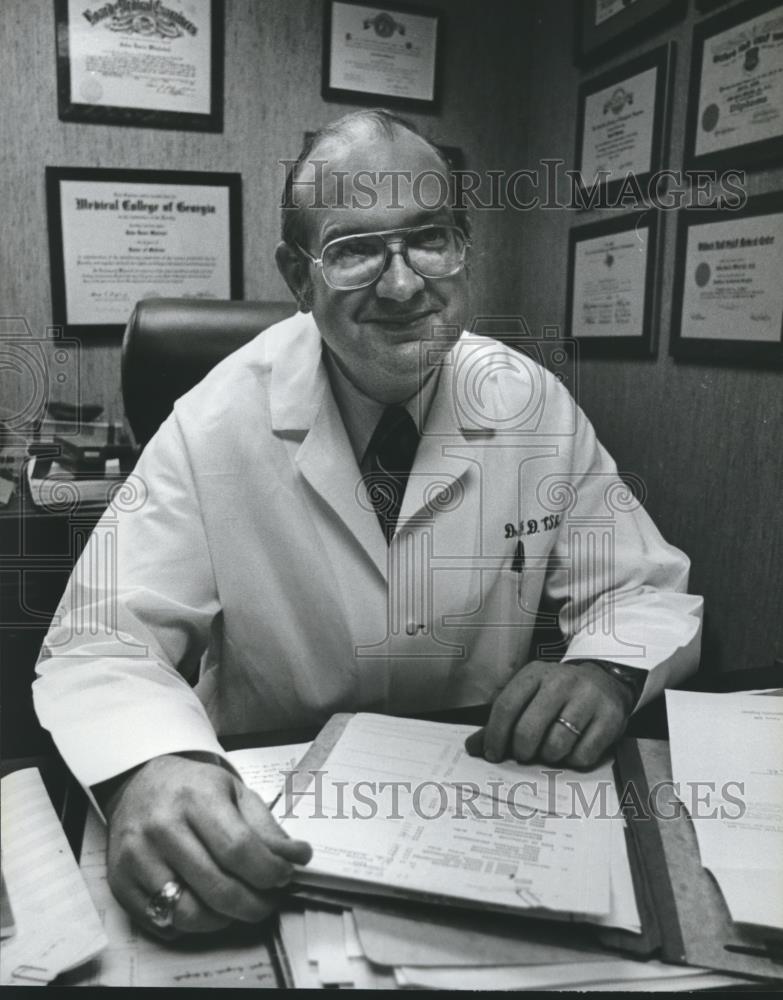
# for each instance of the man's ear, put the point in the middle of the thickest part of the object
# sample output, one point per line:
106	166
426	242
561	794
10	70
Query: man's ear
295	273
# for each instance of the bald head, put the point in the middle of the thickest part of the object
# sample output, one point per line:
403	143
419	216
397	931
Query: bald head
361	160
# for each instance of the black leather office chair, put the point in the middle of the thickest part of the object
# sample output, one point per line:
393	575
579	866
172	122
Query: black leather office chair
171	344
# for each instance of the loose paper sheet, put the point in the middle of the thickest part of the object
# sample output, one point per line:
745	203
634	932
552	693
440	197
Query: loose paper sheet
727	763
57	927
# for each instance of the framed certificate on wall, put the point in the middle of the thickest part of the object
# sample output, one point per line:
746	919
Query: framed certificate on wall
381	55
728	292
607	27
735	101
158	65
612	271
621	120
117	236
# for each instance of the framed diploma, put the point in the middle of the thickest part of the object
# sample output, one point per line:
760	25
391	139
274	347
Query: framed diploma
117	236
728	293
154	63
735	104
383	55
612	272
621	120
606	27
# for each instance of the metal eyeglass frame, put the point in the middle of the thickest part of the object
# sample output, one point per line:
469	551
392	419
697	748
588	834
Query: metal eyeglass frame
319	261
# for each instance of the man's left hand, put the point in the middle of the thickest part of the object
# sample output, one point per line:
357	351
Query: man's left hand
527	720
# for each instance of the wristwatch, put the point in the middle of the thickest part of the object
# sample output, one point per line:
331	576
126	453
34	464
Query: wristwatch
632	677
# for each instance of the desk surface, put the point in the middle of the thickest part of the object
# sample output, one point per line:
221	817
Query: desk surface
69	806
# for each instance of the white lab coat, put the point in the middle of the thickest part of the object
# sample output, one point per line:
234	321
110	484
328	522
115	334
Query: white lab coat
241	580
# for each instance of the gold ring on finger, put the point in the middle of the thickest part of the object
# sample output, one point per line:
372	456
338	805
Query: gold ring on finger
569	726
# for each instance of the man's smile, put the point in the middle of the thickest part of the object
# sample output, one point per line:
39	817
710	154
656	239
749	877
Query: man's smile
402	320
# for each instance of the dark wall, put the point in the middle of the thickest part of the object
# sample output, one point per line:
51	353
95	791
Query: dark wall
705	439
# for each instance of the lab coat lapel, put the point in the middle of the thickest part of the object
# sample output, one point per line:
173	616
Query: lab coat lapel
446	452
302	401
327	461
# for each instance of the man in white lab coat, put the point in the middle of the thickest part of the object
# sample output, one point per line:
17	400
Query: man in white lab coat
261	572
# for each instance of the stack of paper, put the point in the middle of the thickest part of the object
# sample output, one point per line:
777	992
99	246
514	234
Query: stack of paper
400	809
374	949
321	949
727	765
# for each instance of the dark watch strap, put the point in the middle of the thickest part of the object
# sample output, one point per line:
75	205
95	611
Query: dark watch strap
633	678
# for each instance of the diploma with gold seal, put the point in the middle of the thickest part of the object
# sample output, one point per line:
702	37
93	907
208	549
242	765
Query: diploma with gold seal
736	106
141	62
728	296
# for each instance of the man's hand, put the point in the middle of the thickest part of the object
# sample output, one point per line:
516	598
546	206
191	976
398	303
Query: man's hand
177	818
523	720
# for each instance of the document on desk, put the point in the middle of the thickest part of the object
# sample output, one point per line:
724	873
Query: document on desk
400	809
56	924
727	763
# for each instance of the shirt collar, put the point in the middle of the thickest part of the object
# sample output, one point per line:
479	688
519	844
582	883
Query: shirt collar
361	414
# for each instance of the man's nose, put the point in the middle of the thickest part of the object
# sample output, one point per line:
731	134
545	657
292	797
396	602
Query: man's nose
398	281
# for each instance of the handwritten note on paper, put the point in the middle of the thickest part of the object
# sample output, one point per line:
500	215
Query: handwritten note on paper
428	839
57	927
262	768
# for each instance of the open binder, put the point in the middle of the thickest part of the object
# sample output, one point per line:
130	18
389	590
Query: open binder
684	914
684	917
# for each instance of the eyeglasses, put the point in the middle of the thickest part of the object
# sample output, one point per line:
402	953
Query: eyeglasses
351	262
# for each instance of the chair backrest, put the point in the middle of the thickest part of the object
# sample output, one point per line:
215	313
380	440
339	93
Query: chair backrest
171	344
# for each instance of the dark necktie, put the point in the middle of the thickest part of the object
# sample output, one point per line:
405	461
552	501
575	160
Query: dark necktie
392	449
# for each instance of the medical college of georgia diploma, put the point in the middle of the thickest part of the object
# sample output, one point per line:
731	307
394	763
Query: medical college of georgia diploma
609	290
741	86
141	54
732	287
124	241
